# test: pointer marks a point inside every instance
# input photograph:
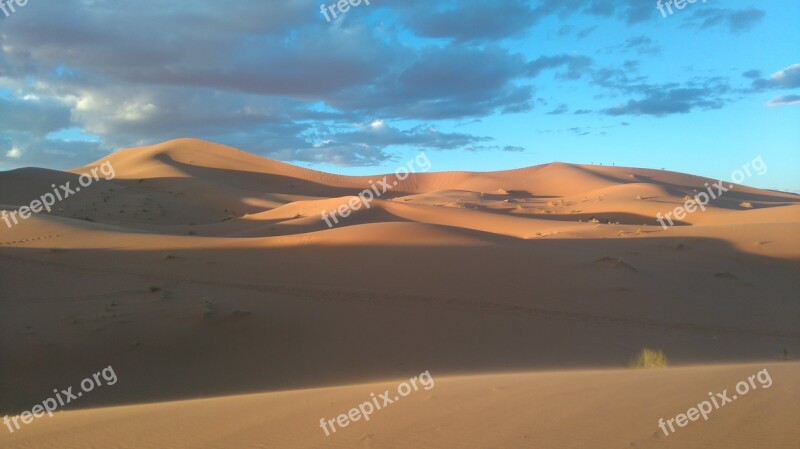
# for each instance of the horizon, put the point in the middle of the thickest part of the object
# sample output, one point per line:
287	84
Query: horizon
431	171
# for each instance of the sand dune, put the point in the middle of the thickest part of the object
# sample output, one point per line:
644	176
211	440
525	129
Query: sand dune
203	271
598	409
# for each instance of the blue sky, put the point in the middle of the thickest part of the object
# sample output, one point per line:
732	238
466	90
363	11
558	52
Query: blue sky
478	85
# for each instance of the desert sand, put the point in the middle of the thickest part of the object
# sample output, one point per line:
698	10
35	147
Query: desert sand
235	318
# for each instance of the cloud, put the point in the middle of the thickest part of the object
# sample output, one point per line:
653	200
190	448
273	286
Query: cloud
279	81
332	153
584	33
752	74
561	109
784	100
737	21
575	66
631	11
382	135
444	83
642	45
367	143
581	131
27	150
252	77
786	78
476	20
661	99
485	20
666	99
34	115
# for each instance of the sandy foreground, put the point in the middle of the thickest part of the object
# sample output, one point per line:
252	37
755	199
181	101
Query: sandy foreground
570	409
201	271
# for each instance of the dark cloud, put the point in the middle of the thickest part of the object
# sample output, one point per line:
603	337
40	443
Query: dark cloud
574	66
442	83
642	45
580	34
624	79
34	115
584	33
566	30
476	20
24	126
367	144
736	21
561	109
661	99
752	74
631	11
379	134
507	148
666	99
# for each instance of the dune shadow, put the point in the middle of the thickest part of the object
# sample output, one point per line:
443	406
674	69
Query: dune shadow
221	321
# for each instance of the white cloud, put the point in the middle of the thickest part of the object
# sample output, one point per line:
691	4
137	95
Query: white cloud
789	77
784	100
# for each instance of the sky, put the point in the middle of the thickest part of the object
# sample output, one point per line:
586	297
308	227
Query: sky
477	85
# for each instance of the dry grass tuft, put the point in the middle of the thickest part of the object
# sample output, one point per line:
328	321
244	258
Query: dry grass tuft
649	358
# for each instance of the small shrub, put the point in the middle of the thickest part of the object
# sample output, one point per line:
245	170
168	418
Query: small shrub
616	262
209	308
649	358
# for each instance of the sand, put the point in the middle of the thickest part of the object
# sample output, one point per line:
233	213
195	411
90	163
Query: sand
201	271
